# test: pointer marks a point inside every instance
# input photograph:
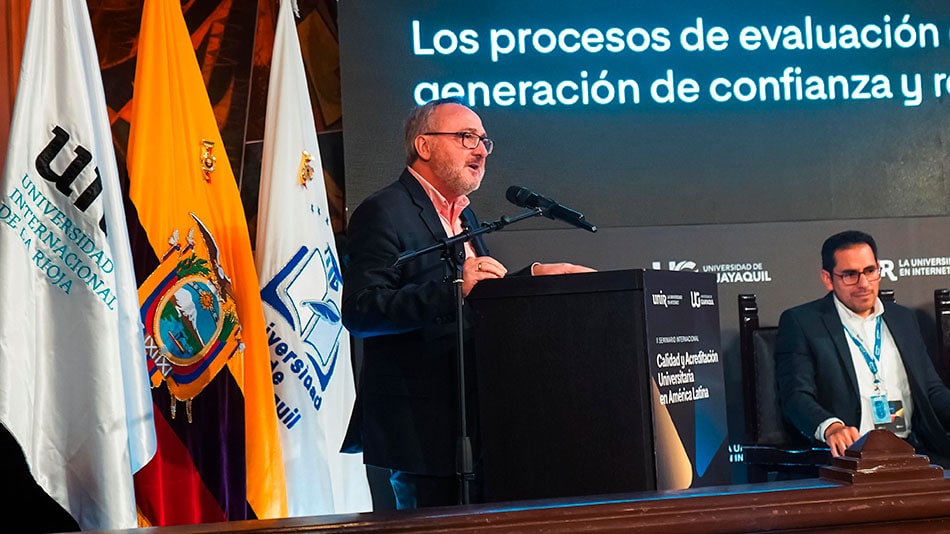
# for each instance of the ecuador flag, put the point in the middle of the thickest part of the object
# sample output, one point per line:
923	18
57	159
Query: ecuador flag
219	454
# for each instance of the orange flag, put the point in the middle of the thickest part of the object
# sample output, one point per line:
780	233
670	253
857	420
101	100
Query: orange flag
219	450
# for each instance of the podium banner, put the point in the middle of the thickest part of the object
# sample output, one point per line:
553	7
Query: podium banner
686	376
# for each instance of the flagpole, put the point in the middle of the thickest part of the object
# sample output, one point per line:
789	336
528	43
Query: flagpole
247	107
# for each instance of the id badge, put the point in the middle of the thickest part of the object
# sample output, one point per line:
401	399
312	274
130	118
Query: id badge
880	411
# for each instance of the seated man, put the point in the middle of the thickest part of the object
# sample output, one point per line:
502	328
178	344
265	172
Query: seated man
848	363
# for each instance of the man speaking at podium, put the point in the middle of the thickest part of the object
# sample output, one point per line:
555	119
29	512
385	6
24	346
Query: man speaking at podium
406	414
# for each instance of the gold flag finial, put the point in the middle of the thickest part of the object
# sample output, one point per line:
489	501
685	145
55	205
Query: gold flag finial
305	172
207	159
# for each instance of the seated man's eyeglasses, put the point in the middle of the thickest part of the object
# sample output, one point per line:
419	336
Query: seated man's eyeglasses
469	140
849	278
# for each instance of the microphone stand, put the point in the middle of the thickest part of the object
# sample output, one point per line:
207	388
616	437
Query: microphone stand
466	235
464	462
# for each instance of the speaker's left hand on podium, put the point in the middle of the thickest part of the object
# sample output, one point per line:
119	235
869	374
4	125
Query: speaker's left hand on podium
541	269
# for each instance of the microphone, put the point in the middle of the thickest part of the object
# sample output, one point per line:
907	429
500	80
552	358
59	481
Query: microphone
525	198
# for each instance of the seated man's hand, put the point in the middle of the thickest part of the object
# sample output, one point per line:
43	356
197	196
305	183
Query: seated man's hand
480	268
839	437
540	269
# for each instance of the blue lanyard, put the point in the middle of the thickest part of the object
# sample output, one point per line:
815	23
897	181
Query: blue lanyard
872	362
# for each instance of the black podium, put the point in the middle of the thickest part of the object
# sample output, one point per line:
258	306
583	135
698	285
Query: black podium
570	377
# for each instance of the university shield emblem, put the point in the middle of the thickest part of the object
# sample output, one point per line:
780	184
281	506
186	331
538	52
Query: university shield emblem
304	293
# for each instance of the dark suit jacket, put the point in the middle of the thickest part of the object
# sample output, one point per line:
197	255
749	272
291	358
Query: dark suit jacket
406	413
816	378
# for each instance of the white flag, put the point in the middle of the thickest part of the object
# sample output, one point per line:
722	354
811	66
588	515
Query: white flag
73	385
301	289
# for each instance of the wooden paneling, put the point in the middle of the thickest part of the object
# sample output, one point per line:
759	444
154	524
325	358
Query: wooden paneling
13	17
